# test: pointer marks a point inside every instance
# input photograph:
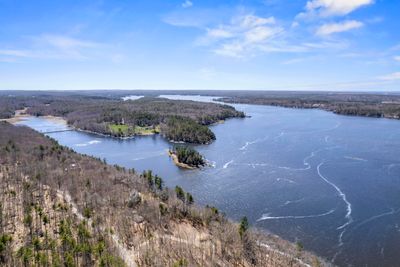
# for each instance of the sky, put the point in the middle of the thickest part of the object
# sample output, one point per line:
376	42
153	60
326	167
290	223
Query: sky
332	45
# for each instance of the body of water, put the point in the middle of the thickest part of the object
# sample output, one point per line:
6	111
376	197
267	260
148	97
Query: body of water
328	181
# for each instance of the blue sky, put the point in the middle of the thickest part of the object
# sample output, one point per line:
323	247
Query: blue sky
192	44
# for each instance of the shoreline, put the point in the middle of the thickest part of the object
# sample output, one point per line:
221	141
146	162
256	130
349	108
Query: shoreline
21	115
315	107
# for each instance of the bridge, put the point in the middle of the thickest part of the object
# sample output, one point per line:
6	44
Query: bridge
57	131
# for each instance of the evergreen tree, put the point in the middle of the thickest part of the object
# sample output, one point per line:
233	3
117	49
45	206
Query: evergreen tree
243	227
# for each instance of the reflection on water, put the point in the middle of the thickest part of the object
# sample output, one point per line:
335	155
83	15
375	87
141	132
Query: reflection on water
331	182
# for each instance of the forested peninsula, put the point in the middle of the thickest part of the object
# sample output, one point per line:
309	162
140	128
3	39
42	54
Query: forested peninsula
176	120
60	208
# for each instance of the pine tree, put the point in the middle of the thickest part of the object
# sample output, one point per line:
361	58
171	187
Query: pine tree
243	227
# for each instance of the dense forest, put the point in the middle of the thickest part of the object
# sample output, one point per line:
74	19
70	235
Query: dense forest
184	121
189	156
60	208
187	130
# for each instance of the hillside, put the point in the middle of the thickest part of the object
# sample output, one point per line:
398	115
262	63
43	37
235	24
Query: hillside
63	208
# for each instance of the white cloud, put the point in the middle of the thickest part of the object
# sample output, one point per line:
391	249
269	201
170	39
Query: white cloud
249	21
391	77
219	33
236	50
326	8
65	46
338	45
242	36
65	42
246	35
249	35
260	34
249	26
187	4
295	24
330	28
307	58
397	58
293	61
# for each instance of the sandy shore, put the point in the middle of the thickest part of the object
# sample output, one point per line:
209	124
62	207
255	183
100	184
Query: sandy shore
21	115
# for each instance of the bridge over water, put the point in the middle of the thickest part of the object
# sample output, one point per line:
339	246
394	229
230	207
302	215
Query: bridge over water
56	131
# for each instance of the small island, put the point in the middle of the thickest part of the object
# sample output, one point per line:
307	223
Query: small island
186	157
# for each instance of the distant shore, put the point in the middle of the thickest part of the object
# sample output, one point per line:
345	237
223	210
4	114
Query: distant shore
358	106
